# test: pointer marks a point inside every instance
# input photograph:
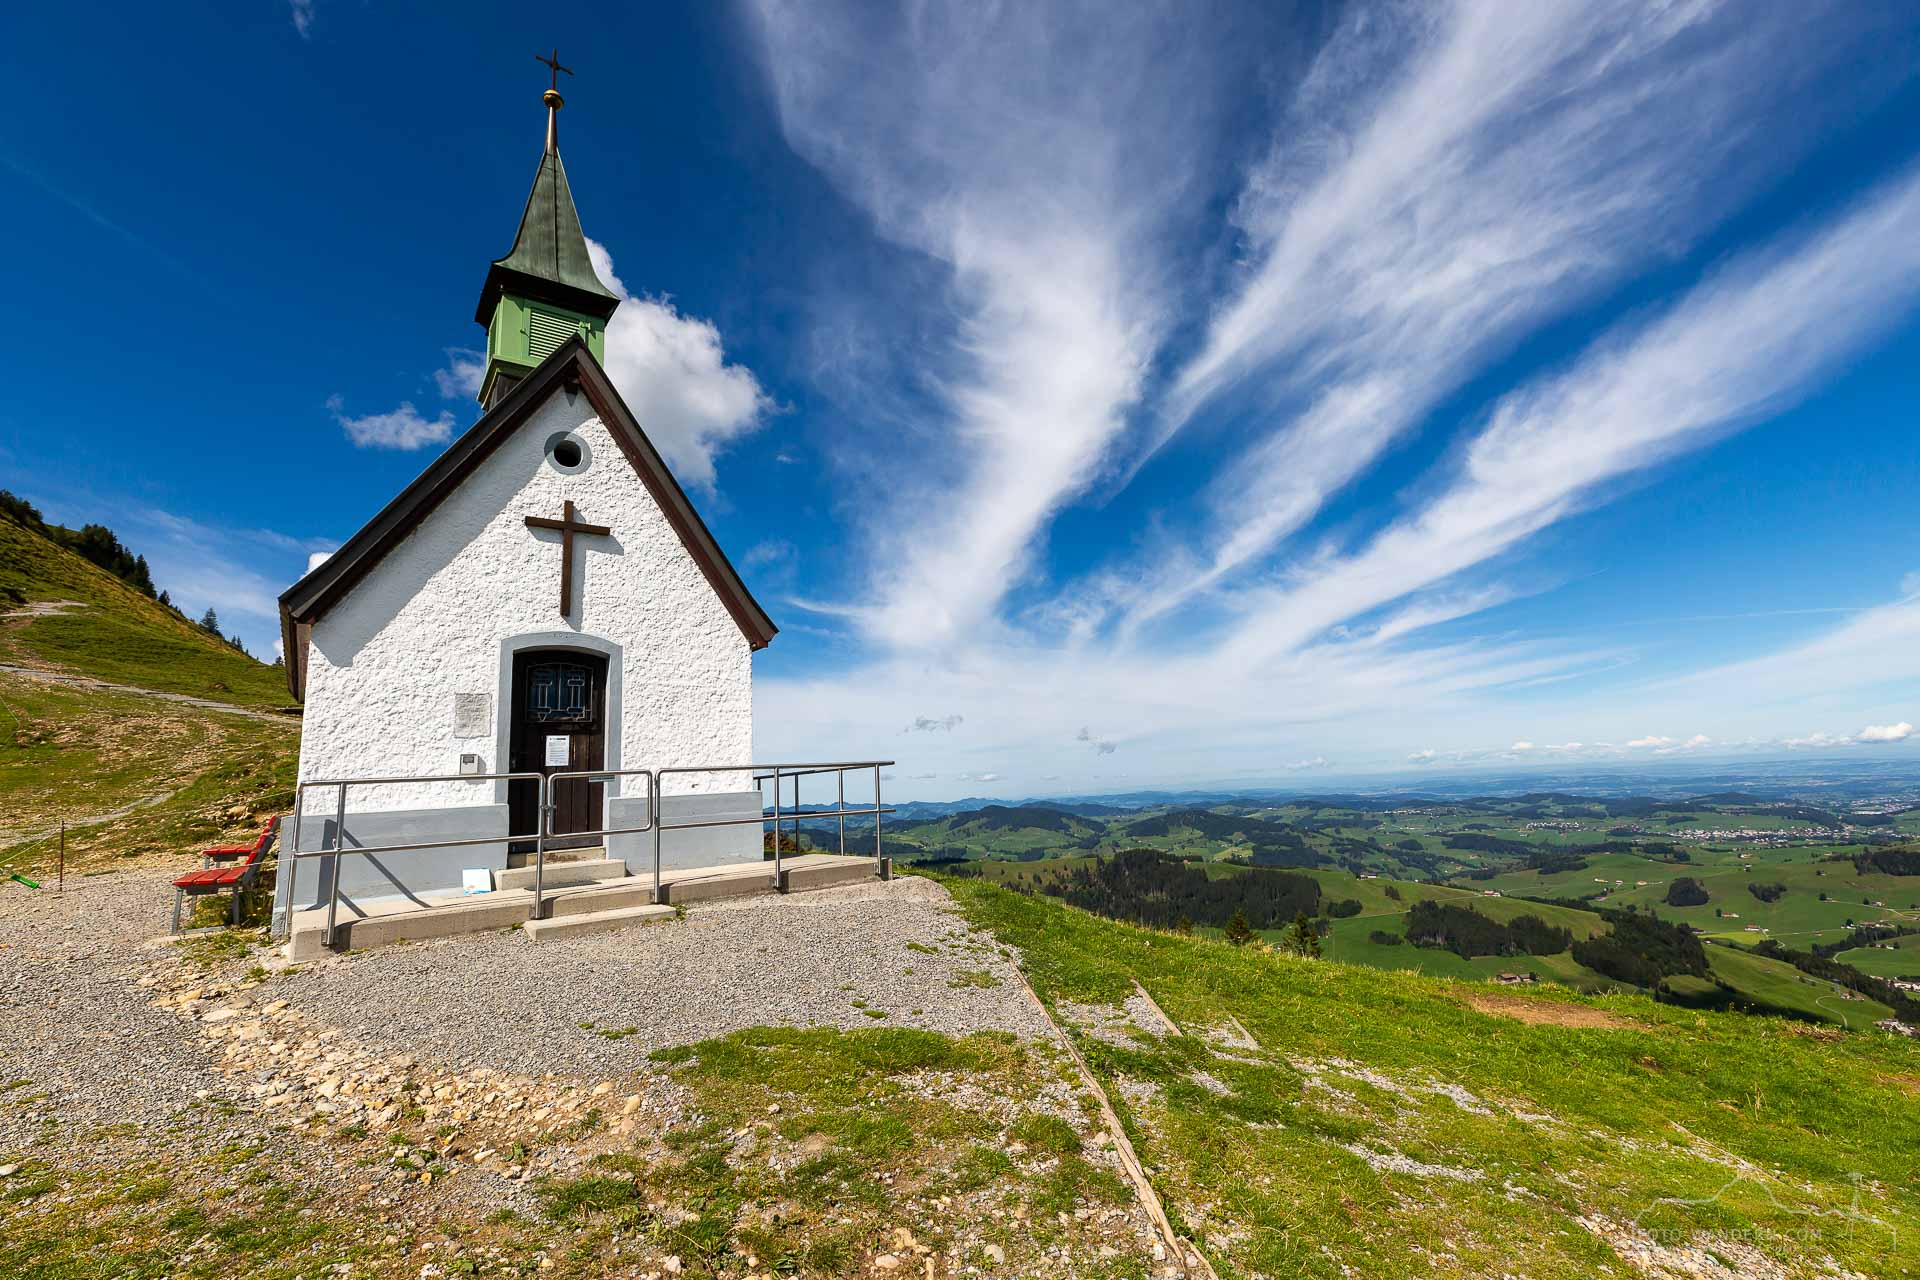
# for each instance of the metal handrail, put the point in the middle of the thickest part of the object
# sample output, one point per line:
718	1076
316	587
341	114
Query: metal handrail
340	832
547	808
656	820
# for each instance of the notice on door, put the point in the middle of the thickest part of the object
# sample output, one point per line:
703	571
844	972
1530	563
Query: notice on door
559	747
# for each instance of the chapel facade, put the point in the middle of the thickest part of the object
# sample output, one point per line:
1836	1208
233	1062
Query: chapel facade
543	598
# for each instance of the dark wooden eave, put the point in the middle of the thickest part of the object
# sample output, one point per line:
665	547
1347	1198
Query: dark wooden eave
572	367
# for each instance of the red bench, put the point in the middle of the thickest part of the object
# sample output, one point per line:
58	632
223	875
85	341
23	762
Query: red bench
216	878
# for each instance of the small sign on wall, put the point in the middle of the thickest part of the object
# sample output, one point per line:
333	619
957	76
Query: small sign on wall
472	715
559	749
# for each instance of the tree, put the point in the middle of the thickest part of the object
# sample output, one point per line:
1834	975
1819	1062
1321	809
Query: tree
1686	892
1301	938
1238	931
210	620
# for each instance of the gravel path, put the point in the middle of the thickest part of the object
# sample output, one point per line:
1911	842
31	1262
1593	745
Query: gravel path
71	1019
822	958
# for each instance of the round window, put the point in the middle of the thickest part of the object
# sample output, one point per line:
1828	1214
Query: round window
567	452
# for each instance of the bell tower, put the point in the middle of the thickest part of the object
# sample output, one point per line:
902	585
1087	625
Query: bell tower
544	291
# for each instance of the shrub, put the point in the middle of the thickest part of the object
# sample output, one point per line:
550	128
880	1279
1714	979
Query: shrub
1345	907
1770	892
1385	939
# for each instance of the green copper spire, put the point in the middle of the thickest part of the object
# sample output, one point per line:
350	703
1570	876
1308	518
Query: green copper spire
544	291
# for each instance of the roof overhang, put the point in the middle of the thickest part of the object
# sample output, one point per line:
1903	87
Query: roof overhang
571	368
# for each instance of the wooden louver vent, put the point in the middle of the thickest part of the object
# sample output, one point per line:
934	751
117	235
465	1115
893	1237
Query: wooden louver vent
546	332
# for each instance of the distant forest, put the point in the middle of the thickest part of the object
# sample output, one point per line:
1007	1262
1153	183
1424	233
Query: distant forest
1146	886
1467	933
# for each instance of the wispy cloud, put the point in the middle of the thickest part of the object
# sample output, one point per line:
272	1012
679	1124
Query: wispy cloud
301	11
1447	179
1044	200
1745	341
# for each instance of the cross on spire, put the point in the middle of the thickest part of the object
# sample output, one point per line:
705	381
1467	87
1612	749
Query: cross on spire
552	62
567	525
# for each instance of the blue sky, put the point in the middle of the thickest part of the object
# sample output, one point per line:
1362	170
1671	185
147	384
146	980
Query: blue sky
1099	397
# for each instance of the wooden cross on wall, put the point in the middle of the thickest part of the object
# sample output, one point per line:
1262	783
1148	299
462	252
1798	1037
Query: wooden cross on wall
567	526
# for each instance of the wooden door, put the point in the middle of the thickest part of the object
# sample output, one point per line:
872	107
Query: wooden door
559	726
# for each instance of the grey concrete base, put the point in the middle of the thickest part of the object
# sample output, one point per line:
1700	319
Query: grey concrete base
804	873
561	875
596	922
689	847
415	875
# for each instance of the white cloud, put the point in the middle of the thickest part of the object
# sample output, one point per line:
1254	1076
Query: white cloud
1423	757
318	558
301	11
460	378
1295	766
1910	584
403	428
1522	746
673	373
1885	733
928	724
1651	740
1100	746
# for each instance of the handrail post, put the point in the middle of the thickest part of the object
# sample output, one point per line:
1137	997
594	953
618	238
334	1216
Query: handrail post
840	779
339	843
542	816
876	811
776	826
653	820
293	863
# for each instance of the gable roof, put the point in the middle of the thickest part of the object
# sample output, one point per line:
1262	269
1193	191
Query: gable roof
570	367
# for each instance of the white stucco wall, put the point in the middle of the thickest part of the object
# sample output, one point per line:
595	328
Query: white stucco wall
429	621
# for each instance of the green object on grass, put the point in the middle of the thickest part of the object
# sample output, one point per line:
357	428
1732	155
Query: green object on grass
31	884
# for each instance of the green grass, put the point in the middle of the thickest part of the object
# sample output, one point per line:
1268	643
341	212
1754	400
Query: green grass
119	635
79	753
1644	1115
1897	958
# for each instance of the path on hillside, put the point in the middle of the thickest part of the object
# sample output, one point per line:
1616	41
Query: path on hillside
57	675
71	680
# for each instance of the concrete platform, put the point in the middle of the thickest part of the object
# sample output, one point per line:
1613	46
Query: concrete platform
585	905
596	922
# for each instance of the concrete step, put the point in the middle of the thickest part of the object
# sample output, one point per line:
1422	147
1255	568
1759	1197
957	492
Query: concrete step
809	875
631	891
723	882
483	912
596	922
560	875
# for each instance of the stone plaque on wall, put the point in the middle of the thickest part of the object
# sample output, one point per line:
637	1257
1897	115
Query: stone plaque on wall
472	715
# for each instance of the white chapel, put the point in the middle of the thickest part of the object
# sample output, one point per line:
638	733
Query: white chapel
543	598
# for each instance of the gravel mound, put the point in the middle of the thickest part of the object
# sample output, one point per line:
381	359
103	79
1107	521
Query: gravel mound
831	958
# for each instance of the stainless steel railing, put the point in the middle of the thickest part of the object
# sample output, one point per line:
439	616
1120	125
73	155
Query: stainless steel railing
546	807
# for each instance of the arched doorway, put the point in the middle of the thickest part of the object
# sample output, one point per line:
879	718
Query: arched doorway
558	725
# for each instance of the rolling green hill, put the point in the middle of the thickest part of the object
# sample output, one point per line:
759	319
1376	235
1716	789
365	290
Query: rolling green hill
131	774
1320	1119
113	632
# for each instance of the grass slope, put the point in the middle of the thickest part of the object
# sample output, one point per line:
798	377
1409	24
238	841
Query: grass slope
167	778
1388	1123
117	634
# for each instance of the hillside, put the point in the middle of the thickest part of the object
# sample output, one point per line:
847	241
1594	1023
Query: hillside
1320	1119
112	632
131	774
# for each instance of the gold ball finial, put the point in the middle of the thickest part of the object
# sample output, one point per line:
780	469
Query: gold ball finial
553	99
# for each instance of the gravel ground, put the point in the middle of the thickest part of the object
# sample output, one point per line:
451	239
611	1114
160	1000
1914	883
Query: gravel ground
71	1019
823	958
